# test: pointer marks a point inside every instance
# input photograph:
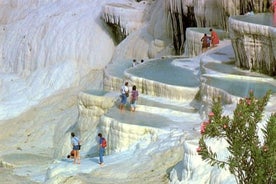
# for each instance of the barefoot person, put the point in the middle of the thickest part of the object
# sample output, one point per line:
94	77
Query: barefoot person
124	95
76	149
102	146
133	98
214	38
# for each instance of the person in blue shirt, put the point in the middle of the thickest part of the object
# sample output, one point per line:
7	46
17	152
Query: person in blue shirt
101	148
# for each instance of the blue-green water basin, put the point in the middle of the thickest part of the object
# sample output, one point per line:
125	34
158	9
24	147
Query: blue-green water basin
260	18
241	88
162	70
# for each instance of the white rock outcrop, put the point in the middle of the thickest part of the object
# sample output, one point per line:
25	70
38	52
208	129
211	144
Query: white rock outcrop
254	39
54	53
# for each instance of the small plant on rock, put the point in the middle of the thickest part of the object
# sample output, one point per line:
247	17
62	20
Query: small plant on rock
251	160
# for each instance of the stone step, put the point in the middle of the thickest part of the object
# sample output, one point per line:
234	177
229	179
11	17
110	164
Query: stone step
167	86
157	102
182	106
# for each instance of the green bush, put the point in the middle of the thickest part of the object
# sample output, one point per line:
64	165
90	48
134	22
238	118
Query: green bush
250	160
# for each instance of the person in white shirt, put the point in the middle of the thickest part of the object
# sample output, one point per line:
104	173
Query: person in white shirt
124	95
76	149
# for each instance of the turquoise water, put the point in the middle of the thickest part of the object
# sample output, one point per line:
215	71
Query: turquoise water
117	69
224	68
261	18
231	69
164	71
241	88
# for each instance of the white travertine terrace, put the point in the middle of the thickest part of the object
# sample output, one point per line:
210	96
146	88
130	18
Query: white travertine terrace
193	44
129	17
55	53
38	42
257	42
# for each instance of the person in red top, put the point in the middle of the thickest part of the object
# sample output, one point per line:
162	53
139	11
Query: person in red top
273	9
214	38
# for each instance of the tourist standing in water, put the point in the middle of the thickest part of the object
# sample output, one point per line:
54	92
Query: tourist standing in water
214	38
133	98
124	95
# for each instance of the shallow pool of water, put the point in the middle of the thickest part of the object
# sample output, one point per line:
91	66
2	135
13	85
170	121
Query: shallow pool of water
164	71
260	18
231	69
241	88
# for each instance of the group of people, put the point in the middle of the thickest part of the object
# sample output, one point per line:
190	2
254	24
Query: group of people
75	153
125	93
213	40
134	62
208	41
75	141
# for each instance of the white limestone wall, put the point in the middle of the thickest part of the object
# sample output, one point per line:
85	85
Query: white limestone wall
193	170
47	46
112	83
128	16
153	39
43	38
193	44
206	13
209	92
14	10
121	136
254	45
156	39
91	108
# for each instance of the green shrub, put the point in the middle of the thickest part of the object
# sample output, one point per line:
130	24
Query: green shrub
250	160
